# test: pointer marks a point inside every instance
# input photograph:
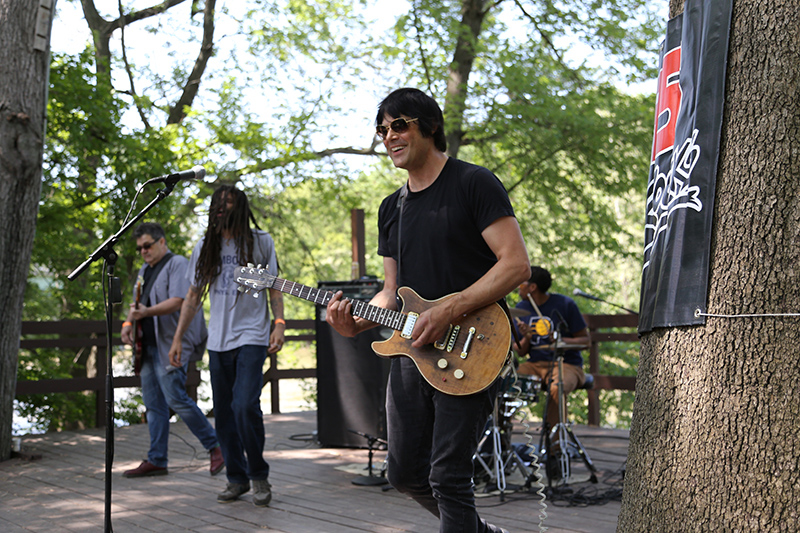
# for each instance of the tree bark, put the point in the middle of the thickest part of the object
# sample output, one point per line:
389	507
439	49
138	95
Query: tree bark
24	63
472	15
713	440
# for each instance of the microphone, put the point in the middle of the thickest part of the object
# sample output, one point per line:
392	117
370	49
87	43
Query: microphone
197	173
578	292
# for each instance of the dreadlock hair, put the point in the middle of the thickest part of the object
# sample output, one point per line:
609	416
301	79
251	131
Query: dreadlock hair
237	222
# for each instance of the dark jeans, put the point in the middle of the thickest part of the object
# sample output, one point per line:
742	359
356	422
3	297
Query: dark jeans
236	379
432	438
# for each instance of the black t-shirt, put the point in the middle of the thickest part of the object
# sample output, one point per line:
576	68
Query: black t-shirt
442	247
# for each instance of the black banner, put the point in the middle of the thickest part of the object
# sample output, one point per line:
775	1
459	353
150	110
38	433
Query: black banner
683	166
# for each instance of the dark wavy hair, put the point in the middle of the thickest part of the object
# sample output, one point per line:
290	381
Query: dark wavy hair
237	222
414	103
153	229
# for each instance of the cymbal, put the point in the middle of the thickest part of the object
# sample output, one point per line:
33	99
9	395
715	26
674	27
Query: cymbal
561	346
519	313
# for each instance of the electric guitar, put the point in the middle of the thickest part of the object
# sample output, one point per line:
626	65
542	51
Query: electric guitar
466	360
137	333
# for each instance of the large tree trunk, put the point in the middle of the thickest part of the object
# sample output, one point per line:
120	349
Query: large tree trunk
714	439
24	64
472	15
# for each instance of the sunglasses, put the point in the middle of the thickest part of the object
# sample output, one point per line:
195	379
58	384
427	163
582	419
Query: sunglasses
398	125
145	246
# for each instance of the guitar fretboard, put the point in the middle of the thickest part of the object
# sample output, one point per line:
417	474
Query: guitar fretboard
379	315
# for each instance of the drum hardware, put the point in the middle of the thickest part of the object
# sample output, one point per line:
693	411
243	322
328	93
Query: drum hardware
557	464
495	454
518	313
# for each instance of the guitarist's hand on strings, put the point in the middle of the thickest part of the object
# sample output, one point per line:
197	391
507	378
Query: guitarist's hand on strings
431	325
138	313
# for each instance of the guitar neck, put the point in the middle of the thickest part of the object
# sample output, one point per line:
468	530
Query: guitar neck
379	315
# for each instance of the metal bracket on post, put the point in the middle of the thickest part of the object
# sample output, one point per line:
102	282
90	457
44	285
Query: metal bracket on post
41	34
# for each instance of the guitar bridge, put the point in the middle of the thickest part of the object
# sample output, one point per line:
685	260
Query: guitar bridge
408	327
468	343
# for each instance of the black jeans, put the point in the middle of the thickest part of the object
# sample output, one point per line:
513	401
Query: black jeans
432	439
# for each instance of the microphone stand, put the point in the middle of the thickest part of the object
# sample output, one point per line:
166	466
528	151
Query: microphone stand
113	296
370	479
578	292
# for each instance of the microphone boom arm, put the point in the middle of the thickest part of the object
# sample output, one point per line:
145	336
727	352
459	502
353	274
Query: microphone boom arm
578	292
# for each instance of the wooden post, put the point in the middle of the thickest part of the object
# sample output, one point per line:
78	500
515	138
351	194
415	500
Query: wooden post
359	268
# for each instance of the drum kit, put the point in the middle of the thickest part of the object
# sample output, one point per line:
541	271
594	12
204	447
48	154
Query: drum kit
497	457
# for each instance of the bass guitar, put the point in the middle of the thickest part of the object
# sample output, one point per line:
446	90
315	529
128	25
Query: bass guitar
137	333
466	360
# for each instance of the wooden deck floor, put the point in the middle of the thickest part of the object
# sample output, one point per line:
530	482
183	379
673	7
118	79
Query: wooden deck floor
63	489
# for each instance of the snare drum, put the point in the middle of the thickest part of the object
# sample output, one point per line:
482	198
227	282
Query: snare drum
525	388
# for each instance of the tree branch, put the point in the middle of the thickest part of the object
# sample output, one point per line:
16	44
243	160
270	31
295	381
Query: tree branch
549	43
423	58
178	111
129	71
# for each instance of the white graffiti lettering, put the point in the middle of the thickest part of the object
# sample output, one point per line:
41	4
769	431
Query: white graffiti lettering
667	193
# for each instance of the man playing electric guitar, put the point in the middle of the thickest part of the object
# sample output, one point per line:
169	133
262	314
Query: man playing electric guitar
164	386
459	235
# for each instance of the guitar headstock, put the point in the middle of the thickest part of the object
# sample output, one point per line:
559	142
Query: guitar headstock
253	279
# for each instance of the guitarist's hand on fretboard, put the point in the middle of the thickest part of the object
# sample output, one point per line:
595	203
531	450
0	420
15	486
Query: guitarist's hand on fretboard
339	314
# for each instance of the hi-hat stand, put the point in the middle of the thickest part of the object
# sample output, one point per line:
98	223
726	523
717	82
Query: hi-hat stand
371	479
557	464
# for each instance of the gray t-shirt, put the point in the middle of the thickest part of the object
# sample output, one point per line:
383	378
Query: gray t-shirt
171	283
237	319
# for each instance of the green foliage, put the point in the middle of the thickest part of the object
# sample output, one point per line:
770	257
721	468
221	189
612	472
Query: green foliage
290	97
53	411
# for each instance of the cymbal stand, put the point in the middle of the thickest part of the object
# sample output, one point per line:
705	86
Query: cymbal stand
558	464
502	458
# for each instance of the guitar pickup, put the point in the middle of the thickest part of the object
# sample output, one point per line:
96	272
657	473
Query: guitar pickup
449	340
408	327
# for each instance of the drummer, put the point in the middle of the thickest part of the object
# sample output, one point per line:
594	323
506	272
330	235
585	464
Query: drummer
542	314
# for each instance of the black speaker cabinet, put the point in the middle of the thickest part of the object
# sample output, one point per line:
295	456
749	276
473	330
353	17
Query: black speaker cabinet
351	379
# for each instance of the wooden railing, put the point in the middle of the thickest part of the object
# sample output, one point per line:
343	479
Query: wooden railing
87	334
599	326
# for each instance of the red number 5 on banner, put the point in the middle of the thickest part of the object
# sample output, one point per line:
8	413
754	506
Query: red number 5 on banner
668	102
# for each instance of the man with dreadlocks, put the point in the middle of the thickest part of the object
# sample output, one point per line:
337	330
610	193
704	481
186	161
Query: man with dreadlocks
239	337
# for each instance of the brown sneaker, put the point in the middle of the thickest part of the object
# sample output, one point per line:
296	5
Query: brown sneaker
146	469
217	461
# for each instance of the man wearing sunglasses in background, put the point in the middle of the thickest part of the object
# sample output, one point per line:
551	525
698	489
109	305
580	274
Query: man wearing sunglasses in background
459	235
164	386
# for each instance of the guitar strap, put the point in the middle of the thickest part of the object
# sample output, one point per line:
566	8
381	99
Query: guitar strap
148	284
401	200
